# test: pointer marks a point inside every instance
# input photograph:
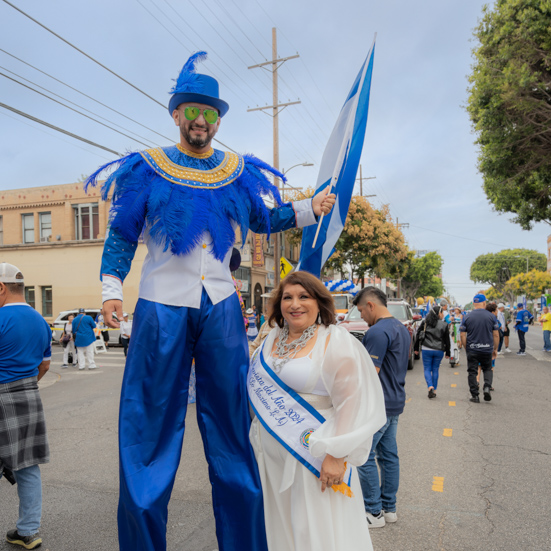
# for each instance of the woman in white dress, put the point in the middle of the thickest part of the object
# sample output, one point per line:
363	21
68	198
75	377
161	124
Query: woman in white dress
331	370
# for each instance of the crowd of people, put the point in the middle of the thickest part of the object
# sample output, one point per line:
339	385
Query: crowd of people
316	465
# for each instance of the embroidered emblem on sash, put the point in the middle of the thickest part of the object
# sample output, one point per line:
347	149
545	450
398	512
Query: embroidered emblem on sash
305	438
225	173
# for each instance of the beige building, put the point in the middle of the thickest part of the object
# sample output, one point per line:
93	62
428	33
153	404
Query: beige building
55	236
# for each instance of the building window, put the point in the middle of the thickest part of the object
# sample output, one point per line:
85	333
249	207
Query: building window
86	221
46	302
45	219
28	228
29	296
1	230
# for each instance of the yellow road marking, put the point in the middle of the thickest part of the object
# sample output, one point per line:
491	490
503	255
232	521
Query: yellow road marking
418	383
456	372
454	385
408	400
451	403
447	432
437	483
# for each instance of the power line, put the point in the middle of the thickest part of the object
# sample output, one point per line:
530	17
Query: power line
292	46
85	95
30	117
84	53
100	64
460	237
72	103
239	88
72	109
236	23
72	143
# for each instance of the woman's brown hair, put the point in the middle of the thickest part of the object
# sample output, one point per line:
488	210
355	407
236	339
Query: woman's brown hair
314	287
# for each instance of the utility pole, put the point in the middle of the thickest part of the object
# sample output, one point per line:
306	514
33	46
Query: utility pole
360	179
400	226
276	109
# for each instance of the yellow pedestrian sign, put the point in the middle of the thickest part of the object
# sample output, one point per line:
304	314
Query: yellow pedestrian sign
285	267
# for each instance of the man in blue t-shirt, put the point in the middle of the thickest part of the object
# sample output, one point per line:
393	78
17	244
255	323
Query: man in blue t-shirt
25	354
388	343
522	321
85	339
480	339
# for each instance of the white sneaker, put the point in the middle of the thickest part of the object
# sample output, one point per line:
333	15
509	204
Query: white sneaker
508	350
93	367
375	522
390	516
500	353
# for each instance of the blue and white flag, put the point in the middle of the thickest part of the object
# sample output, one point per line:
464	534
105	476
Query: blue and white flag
339	167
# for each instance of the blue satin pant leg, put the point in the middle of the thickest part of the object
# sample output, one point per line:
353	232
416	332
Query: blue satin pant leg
151	426
221	365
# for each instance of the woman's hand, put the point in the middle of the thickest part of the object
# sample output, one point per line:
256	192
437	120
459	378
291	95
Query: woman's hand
332	471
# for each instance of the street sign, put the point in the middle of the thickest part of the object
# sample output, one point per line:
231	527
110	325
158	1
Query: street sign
285	267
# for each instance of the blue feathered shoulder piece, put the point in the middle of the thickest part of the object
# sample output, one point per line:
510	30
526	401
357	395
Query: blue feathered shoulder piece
187	79
177	216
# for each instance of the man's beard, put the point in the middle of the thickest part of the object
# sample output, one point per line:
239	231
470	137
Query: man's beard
198	141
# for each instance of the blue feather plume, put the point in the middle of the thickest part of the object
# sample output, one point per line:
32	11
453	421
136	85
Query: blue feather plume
177	216
187	79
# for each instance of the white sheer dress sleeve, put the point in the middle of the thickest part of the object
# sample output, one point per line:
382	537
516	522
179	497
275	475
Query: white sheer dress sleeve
358	403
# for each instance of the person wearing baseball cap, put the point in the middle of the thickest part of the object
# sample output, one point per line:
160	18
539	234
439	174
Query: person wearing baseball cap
25	355
480	339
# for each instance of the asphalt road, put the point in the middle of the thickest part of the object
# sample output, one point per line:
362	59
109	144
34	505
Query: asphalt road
491	462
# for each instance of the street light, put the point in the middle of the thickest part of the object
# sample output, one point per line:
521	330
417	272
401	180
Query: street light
279	241
299	164
285	172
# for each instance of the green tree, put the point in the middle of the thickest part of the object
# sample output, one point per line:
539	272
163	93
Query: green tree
532	284
510	107
496	269
371	243
492	295
422	278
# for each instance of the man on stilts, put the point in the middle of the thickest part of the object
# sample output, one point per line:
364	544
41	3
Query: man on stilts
187	201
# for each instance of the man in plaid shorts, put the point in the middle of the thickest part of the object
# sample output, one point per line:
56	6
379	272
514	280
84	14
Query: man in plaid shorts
25	353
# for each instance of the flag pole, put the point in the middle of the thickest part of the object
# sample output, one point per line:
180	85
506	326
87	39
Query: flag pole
344	145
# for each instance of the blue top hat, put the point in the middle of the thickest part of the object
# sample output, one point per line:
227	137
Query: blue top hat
195	87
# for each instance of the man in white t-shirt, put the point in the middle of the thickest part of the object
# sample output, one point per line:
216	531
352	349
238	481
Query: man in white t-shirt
126	331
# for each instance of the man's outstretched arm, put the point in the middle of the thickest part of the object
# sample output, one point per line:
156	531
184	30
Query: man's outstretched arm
296	214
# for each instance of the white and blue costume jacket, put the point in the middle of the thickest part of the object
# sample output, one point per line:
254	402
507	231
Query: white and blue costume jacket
187	208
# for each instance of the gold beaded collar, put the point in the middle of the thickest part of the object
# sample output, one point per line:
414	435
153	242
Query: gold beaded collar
196	155
225	173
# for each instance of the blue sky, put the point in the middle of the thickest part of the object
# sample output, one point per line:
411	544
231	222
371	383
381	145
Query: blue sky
419	142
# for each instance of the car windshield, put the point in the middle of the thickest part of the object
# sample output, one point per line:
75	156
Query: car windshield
341	302
354	315
399	311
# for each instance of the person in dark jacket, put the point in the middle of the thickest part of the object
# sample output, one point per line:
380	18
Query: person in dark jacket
434	341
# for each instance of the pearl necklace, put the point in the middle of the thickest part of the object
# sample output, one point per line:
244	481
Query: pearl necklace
287	351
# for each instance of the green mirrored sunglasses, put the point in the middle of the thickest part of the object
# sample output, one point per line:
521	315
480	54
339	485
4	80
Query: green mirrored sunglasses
210	115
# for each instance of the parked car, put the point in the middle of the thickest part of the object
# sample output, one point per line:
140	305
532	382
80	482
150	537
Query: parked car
61	320
400	309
